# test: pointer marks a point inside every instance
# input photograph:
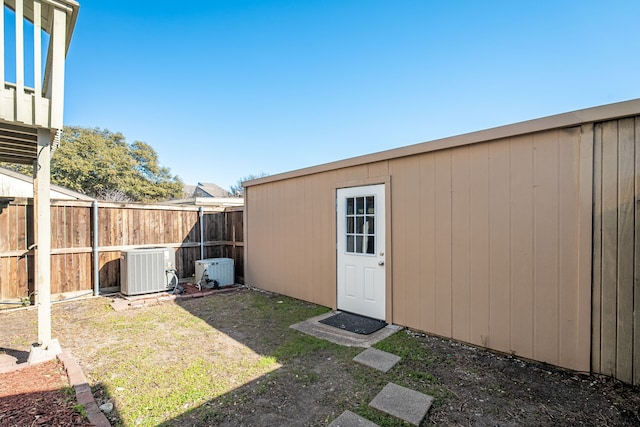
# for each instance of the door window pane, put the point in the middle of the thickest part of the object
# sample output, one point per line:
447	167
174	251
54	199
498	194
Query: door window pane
371	247
350	228
371	209
369	227
350	244
360	225
350	206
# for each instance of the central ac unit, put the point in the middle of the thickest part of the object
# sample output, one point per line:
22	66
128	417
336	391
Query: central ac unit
214	272
147	270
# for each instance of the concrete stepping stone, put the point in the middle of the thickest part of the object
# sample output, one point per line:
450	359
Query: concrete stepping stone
401	402
377	359
349	419
7	363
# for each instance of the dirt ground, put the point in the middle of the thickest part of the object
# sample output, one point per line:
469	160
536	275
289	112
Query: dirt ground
472	386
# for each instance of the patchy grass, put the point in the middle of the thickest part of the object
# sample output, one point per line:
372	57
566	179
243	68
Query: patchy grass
232	359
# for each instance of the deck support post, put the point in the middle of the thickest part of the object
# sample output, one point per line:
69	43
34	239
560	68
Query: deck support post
47	348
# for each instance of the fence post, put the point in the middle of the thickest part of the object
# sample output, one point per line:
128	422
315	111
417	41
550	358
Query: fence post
96	264
201	220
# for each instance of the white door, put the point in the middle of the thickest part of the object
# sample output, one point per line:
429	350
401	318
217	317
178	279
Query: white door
361	250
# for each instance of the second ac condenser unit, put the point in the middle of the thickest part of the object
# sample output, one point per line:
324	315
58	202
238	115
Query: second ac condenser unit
214	272
147	270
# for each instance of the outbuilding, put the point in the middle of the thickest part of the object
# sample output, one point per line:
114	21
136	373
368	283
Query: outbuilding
523	239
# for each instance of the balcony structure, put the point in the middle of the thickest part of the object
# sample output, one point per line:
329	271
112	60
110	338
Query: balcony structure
35	39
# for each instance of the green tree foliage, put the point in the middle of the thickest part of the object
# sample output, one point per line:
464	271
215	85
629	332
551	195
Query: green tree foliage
101	164
237	190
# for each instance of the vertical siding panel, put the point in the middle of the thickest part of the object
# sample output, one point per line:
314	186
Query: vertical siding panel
253	235
319	233
426	195
260	237
301	239
609	246
297	244
636	274
311	242
285	227
399	242
327	207
546	247
596	302
522	245
569	239
443	242
626	202
499	294
276	218
479	224
586	212
288	228
323	206
412	241
461	256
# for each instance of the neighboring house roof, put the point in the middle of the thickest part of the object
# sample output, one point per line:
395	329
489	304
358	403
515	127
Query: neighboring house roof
205	189
14	184
189	190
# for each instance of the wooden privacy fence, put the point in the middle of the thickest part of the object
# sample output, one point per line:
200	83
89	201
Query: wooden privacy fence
187	229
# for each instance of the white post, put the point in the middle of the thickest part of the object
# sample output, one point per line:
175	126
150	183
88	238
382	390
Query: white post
19	24
58	41
201	218
48	348
42	203
37	63
2	56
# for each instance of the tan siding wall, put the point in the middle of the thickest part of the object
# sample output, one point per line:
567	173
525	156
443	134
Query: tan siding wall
486	242
290	233
616	251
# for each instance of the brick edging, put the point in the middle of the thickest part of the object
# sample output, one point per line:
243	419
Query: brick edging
78	381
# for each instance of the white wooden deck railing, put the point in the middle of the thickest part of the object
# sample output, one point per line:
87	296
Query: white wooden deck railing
41	105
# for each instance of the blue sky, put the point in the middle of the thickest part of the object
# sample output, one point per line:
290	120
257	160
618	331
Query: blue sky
226	88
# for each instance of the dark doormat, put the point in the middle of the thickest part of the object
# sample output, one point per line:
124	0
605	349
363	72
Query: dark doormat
354	323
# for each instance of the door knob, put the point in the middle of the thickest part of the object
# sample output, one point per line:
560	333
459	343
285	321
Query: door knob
380	263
